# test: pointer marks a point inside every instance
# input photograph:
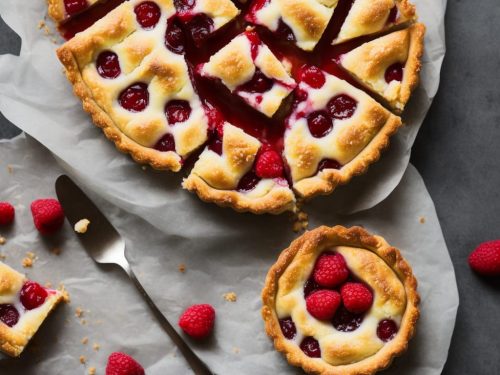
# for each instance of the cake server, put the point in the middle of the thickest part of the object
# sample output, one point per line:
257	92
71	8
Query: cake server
105	245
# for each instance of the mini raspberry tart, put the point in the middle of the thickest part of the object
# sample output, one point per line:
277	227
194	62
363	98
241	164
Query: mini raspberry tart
24	305
355	327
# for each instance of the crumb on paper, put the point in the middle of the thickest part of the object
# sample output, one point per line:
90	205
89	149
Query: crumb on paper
82	226
92	371
65	293
300	221
56	250
3	240
83	322
96	347
182	267
85	341
2	256
236	350
78	312
230	296
10	169
83	359
421	219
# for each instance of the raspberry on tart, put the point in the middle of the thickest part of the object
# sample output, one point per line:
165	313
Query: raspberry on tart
300	21
334	132
389	65
136	89
225	174
368	17
384	298
24	305
249	69
203	17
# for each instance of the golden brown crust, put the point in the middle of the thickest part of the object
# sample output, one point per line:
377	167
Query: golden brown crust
316	241
56	10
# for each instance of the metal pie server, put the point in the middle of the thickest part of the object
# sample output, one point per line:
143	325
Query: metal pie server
105	245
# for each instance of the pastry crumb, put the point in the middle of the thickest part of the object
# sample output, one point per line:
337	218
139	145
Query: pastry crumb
96	347
92	370
82	226
85	341
10	169
236	350
83	359
56	251
29	260
300	219
79	312
421	219
230	296
182	267
3	240
3	256
65	293
83	322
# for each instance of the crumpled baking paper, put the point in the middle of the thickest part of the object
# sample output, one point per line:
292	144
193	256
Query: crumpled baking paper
222	253
35	95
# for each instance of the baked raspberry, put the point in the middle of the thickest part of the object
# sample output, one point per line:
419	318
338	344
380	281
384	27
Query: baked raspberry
198	321
342	106
32	295
319	123
9	314
177	111
284	32
310	346
108	65
394	73
323	304
7	213
346	321
147	14
200	27
135	98
288	328
48	215
123	364
73	7
357	298
312	75
485	259
184	5
214	142
330	270
259	83
387	329
269	165
329	164
174	37
166	143
248	182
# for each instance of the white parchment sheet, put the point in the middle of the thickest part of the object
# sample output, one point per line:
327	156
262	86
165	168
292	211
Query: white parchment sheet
36	97
221	254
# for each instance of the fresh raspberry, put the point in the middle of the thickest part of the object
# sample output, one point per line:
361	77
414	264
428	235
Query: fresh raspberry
198	321
269	165
330	270
357	297
123	364
32	295
323	304
485	259
7	213
48	215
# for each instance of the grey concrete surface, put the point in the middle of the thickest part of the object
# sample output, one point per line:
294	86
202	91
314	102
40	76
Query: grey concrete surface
458	154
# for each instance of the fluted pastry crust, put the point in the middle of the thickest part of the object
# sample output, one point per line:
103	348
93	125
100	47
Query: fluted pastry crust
373	261
14	339
369	62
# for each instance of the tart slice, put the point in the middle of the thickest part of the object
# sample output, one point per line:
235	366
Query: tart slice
236	170
334	132
389	65
340	301
299	21
24	305
374	16
248	68
203	17
62	10
129	72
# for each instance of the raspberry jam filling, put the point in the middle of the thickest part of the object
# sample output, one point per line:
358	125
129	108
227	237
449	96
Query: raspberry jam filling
177	111
73	7
32	295
394	73
288	328
387	329
200	27
108	65
9	314
174	37
135	98
258	84
248	182
310	346
328	164
342	107
346	321
147	14
166	143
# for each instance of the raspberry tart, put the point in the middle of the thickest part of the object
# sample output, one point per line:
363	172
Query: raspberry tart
271	99
24	305
340	301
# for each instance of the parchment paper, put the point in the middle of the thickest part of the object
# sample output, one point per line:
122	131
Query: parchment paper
221	255
36	97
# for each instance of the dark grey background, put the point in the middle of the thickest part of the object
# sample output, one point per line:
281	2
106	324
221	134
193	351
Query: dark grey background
458	154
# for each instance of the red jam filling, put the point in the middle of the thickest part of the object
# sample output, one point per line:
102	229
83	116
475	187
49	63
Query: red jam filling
328	164
310	286
108	65
32	295
147	14
258	84
9	315
393	15
319	123
346	321
166	143
394	73
177	111
73	7
342	106
215	143
135	98
248	182
387	329
200	27
284	32
288	328
174	37
310	346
